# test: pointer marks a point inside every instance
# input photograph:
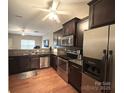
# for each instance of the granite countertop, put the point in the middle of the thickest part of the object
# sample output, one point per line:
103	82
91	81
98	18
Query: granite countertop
77	61
38	54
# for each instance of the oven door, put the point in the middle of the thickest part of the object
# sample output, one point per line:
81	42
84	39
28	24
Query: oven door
63	64
62	68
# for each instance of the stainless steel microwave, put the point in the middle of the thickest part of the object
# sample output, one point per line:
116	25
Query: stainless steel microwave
67	40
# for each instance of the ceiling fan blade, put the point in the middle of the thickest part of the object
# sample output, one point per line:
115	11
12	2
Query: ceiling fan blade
45	10
55	4
63	12
45	17
42	9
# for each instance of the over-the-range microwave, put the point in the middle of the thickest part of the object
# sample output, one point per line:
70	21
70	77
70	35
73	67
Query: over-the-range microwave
67	40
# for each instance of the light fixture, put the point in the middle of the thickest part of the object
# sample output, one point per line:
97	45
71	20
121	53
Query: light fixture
52	15
23	33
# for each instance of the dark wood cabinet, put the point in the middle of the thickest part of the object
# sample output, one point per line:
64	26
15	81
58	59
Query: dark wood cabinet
70	27
53	61
13	65
102	12
24	63
74	77
35	62
90	85
18	64
57	37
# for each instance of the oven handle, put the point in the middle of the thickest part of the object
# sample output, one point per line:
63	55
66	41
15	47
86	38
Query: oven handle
62	59
75	66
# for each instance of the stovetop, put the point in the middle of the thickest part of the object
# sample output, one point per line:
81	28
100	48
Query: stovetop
65	57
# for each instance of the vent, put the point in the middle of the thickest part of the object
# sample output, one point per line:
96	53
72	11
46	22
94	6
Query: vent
18	16
36	31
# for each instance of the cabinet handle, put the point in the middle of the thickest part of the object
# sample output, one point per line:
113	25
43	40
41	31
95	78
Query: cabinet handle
75	66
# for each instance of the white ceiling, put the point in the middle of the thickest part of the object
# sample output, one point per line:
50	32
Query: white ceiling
23	14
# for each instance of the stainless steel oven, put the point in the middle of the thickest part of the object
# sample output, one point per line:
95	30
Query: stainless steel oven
67	40
62	68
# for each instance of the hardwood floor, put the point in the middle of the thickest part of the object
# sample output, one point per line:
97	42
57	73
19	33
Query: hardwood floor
47	81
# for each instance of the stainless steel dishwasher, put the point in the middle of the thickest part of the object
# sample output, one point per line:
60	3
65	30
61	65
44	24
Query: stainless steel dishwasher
44	61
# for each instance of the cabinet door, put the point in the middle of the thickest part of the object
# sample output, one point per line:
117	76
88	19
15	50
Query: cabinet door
102	12
24	63
13	65
55	39
69	28
79	39
59	36
90	85
53	61
75	76
35	63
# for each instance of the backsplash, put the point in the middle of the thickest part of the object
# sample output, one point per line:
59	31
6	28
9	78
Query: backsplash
17	52
27	51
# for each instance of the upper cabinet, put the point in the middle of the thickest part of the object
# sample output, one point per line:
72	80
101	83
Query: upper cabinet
102	12
60	34
72	33
57	37
70	27
82	25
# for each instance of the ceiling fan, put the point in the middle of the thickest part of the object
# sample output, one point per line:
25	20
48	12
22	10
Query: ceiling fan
53	12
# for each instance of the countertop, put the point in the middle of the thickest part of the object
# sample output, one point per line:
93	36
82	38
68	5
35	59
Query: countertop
37	54
77	61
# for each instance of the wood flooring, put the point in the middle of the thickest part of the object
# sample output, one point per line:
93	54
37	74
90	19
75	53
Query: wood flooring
47	81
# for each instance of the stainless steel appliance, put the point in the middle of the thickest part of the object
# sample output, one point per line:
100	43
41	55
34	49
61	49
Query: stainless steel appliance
99	44
67	40
44	62
62	68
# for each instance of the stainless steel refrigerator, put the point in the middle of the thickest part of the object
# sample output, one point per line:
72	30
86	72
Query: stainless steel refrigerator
99	43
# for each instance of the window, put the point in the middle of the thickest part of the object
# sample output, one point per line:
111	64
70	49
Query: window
27	44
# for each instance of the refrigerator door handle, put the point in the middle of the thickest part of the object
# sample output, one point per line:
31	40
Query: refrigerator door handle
104	55
110	60
104	60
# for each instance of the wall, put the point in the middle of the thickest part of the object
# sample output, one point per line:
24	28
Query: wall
15	40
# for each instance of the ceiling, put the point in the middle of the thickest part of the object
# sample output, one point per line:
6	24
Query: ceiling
23	14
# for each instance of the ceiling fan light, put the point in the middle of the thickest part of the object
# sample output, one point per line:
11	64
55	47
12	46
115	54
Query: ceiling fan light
23	33
53	16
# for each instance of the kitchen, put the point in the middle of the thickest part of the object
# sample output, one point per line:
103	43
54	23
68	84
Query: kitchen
58	51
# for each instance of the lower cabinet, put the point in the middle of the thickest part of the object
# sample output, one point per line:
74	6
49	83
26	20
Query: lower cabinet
24	63
74	77
53	61
35	62
18	64
13	65
90	85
